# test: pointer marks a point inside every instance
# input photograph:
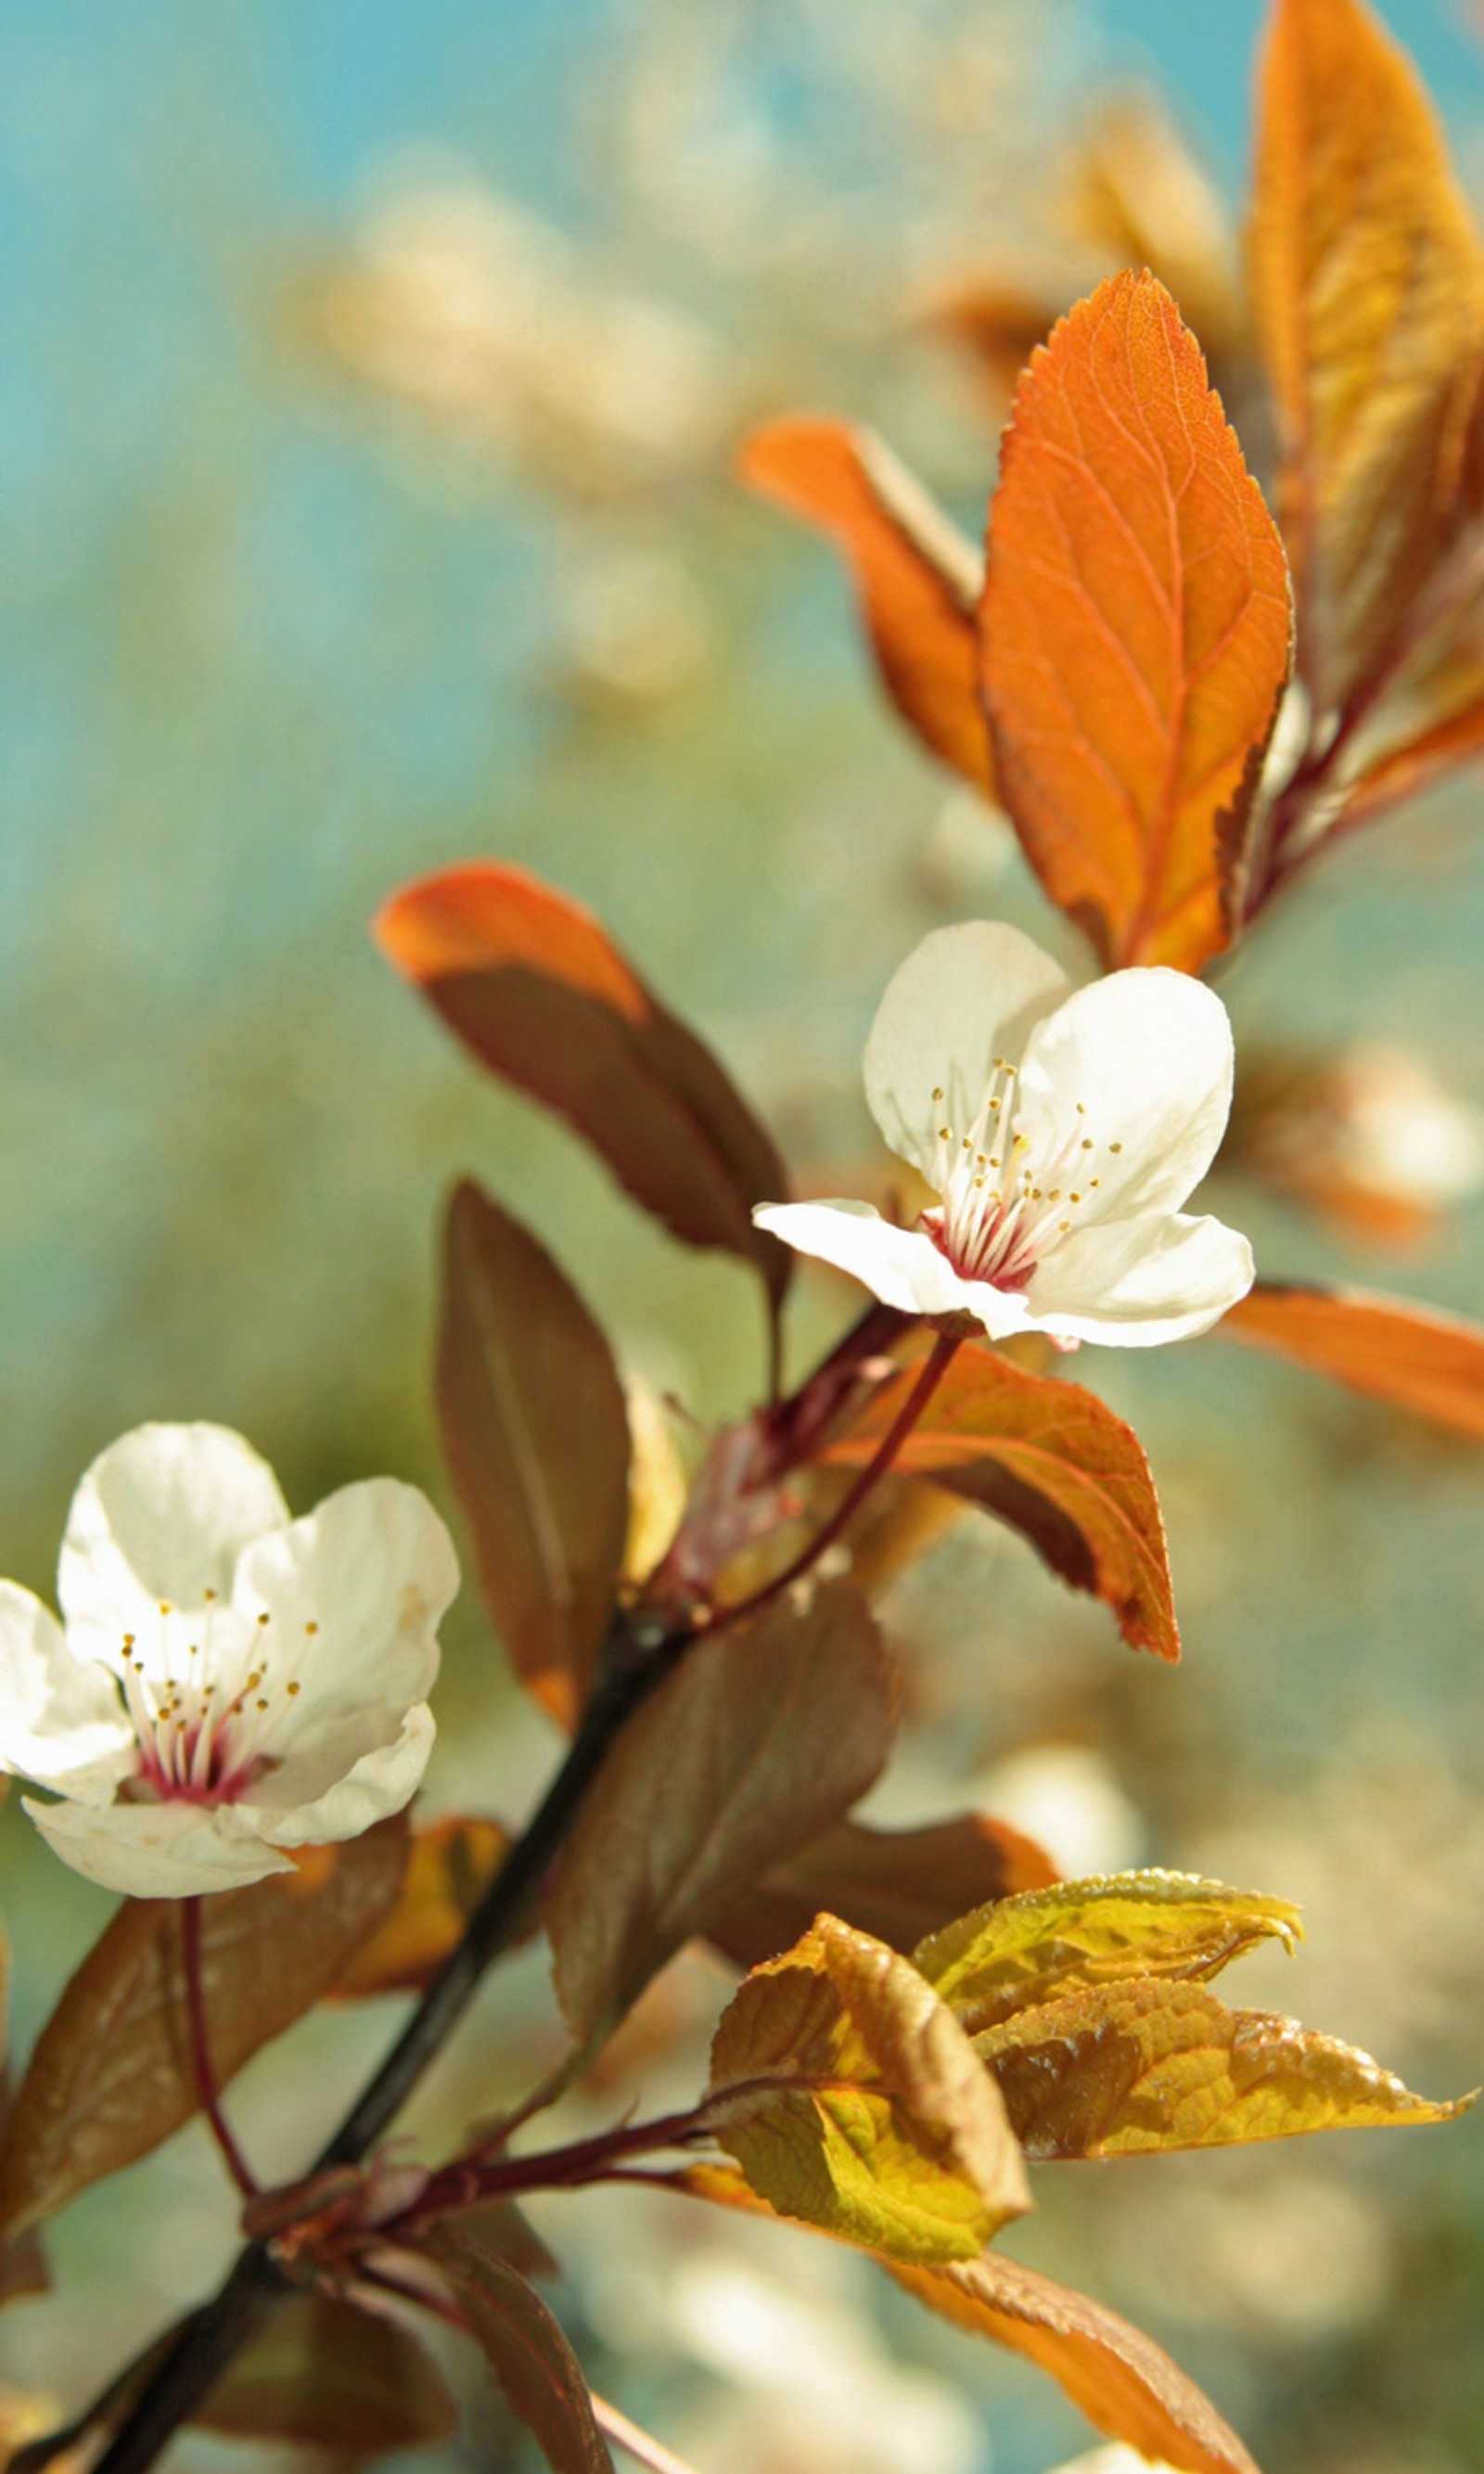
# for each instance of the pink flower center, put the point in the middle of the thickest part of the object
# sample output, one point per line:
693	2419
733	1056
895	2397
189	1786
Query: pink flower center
1003	1209
207	1706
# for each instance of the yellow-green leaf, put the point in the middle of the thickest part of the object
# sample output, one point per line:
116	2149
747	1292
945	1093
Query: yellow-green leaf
1017	1951
1123	2070
1124	2382
853	2098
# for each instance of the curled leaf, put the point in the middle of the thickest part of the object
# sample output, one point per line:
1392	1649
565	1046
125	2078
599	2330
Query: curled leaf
918	580
1044	1944
898	1885
1134	631
111	2073
1121	2069
535	1434
1048	1458
1122	2381
1411	1356
850	2097
762	1738
535	988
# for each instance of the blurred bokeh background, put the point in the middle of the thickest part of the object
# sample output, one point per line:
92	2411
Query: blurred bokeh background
371	383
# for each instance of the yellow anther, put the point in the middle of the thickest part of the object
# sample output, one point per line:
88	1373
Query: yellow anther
291	1689
1086	1142
311	1627
1115	1147
938	1092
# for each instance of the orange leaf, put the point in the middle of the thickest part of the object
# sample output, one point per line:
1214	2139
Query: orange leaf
1368	297
1049	1459
1122	2382
1135	631
917	577
544	1490
898	1885
1147	2066
534	985
449	1866
1433	1363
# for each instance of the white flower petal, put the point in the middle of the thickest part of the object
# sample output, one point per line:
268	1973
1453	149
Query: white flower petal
160	1517
381	1782
62	1722
901	1266
1146	1054
1133	1284
158	1851
963	997
354	1594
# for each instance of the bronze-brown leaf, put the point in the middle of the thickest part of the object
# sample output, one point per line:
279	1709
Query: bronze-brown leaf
535	1434
539	992
111	2073
762	1738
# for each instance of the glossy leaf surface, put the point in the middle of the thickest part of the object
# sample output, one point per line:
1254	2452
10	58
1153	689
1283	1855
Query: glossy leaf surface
760	1740
535	1434
917	578
1433	1363
1046	1943
111	2073
899	1886
1125	2068
1048	1458
450	1864
528	2353
327	2375
1134	629
896	2137
534	986
1367	290
1122	2382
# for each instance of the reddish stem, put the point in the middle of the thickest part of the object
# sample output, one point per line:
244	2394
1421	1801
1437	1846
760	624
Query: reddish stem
935	1367
233	2157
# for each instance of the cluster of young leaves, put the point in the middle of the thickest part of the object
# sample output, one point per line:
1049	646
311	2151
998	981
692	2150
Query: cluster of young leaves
1179	701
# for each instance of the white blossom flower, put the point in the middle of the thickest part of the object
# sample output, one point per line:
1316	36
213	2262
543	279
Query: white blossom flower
1061	1129
229	1683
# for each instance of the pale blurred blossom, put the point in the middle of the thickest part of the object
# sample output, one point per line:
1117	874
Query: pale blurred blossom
480	315
1066	1798
819	2397
1369	1138
634	626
